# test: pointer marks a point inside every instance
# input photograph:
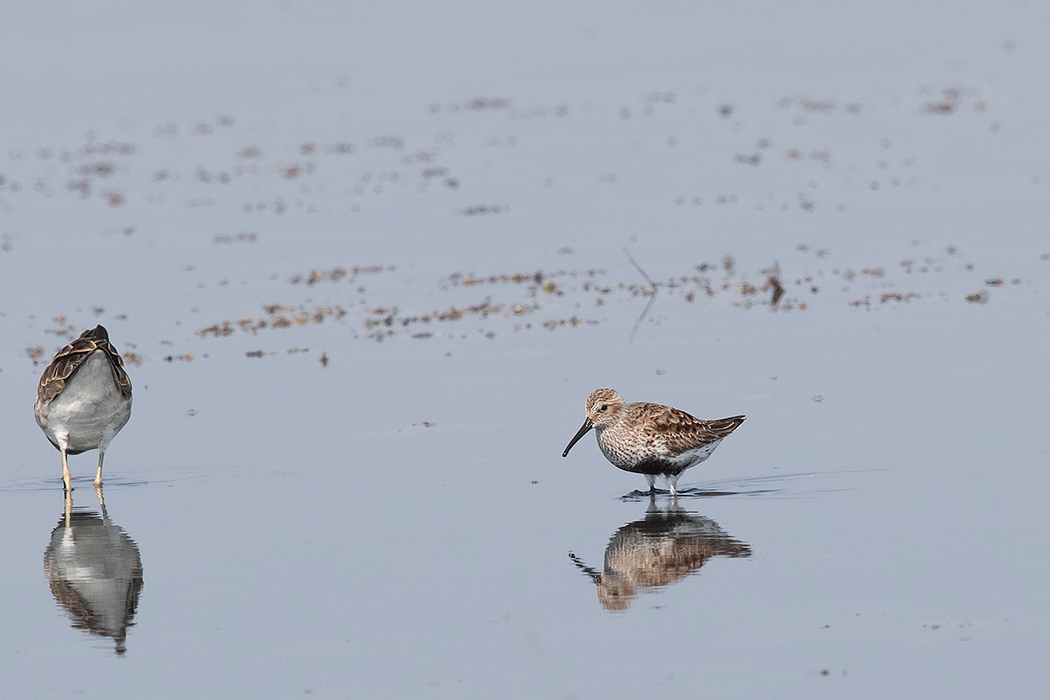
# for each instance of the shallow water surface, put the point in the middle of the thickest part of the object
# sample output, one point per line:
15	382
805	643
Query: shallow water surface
362	307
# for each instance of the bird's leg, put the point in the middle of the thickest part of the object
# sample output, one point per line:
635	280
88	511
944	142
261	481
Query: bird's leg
98	474
672	483
67	478
69	509
651	478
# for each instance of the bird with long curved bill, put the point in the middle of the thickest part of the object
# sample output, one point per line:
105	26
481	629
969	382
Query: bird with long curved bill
651	439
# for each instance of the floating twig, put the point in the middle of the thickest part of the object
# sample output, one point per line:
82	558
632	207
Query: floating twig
652	300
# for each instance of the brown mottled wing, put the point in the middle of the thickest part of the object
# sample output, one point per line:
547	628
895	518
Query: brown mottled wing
680	431
70	358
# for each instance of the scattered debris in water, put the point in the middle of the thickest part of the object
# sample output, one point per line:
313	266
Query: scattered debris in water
980	297
337	274
185	357
240	237
35	353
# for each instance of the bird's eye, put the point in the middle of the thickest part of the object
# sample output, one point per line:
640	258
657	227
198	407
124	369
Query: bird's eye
603	407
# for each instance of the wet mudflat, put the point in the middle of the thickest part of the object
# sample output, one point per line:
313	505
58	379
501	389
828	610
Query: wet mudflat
362	312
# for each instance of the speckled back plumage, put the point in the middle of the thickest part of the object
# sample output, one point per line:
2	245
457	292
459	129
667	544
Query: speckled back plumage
71	357
651	439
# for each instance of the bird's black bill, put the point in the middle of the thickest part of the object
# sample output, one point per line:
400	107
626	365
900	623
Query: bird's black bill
587	425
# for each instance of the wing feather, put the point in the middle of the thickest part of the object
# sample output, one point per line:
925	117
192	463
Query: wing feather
70	358
677	430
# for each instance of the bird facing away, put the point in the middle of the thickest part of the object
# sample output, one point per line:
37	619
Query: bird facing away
650	439
84	398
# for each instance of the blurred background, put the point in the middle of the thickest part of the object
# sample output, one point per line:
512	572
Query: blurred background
365	264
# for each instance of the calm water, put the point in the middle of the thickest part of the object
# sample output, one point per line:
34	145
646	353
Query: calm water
366	271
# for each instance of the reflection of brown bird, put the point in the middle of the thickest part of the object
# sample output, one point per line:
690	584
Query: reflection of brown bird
84	398
651	439
95	573
657	551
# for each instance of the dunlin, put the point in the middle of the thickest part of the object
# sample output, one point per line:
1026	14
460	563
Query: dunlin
660	550
84	398
650	439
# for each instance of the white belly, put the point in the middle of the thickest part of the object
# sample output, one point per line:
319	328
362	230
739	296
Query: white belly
693	457
89	411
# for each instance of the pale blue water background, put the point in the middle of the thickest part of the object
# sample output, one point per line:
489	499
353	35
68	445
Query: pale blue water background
303	530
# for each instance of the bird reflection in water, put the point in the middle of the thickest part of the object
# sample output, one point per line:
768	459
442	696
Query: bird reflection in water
661	549
95	572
